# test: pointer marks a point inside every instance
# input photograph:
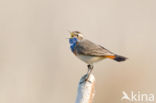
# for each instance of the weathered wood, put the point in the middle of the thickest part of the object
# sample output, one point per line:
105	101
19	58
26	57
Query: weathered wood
86	90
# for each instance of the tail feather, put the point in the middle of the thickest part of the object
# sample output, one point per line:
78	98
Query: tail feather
119	58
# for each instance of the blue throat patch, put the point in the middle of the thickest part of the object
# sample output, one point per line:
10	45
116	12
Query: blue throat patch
72	42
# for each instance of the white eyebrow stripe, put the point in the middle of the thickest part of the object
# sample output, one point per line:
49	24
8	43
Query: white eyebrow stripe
80	35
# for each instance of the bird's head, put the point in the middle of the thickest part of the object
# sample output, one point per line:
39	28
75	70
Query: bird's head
76	34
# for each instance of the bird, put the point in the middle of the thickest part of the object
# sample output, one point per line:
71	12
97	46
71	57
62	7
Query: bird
90	52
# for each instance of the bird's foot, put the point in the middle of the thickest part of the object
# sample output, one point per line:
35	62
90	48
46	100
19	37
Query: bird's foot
85	79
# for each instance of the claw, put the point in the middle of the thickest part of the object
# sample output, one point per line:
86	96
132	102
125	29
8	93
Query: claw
85	80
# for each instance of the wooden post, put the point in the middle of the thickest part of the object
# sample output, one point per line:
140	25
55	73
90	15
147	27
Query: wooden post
86	90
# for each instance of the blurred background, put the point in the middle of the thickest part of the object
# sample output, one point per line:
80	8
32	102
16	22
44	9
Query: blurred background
37	66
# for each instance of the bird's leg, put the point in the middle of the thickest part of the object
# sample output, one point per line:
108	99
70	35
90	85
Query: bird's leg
86	77
90	68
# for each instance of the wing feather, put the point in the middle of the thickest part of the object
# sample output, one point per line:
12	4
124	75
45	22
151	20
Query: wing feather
86	47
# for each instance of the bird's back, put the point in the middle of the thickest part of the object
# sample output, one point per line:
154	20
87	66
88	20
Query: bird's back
88	48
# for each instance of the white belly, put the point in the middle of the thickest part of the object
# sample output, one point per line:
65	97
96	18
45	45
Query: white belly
89	59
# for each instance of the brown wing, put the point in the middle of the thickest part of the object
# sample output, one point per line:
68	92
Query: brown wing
86	47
